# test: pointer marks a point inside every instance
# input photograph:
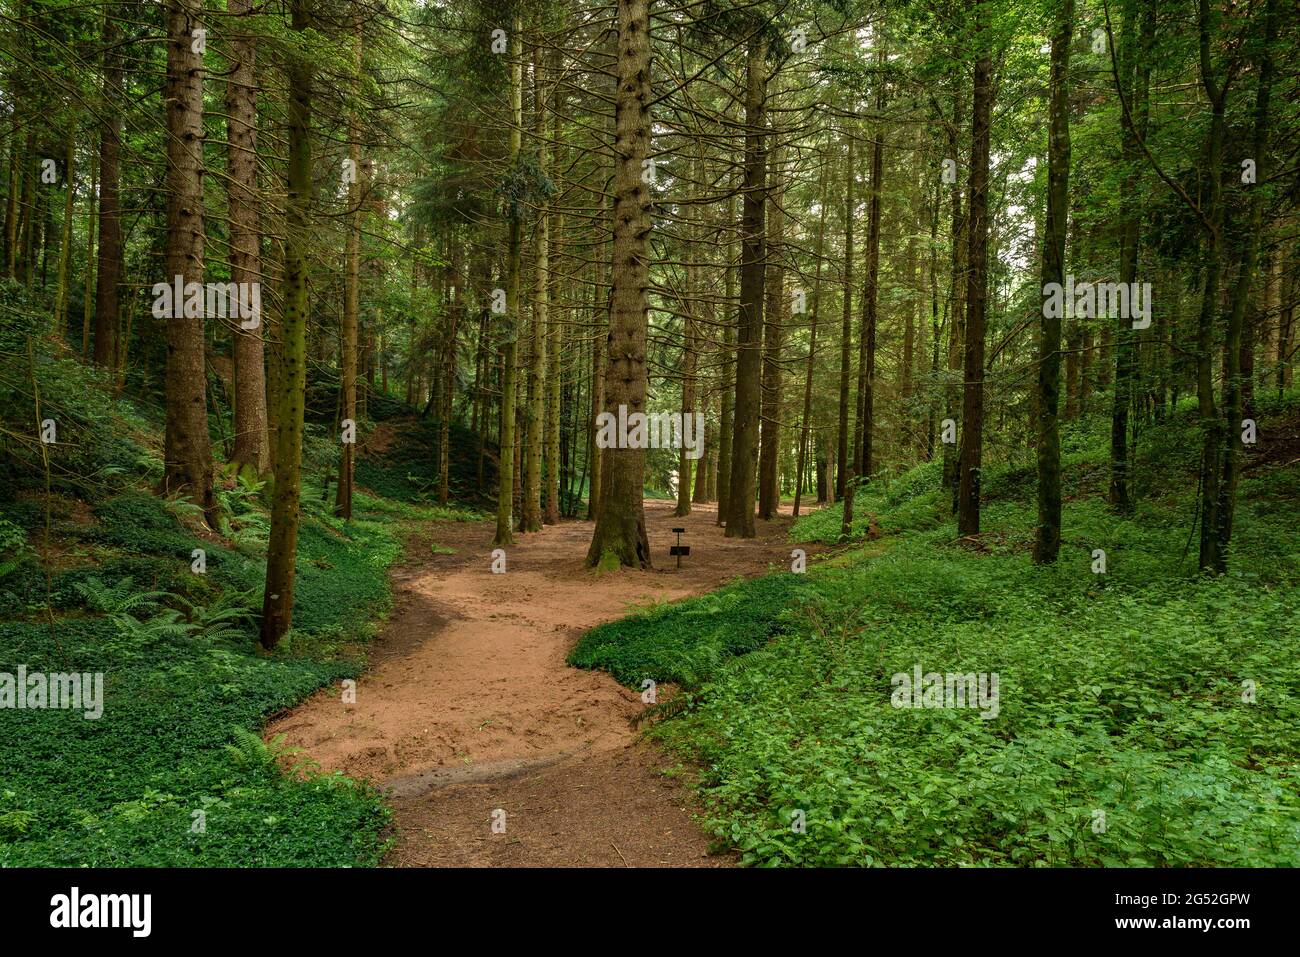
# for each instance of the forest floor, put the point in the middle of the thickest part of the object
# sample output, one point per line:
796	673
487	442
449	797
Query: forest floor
469	709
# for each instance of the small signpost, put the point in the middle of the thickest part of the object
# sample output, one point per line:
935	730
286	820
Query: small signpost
679	549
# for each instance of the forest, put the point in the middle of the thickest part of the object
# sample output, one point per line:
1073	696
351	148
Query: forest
649	433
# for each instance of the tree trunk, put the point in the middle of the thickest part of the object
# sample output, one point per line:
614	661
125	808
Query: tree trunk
65	240
769	495
348	333
957	311
277	601
87	300
535	407
110	214
822	467
1241	295
594	452
846	326
689	361
510	352
972	425
1047	540
1136	73
17	161
805	421
602	307
620	533
455	312
251	441
744	441
870	292
25	269
726	383
554	395
1285	324
188	450
1210	557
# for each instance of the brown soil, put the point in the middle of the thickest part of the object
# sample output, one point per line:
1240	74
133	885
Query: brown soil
378	440
469	707
1278	445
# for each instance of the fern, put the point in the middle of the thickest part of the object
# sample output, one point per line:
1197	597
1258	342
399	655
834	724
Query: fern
227	619
184	509
118	599
241	521
234	501
254	534
250	751
169	623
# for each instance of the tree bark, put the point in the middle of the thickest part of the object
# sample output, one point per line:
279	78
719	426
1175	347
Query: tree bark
805	421
456	311
510	351
775	317
1047	539
689	360
251	440
1210	557
957	309
846	327
1241	294
188	450
863	458
17	160
1135	74
620	533
65	240
972	425
110	214
744	441
554	396
277	601
594	452
726	380
535	407
348	333
88	300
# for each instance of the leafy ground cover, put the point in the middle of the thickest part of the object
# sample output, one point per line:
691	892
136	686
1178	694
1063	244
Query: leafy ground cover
1146	716
175	771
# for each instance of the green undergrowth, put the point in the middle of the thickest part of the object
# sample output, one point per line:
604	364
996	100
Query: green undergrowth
182	680
1145	716
175	772
406	470
685	642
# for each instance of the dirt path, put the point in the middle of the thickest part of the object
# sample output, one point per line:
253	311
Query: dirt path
469	707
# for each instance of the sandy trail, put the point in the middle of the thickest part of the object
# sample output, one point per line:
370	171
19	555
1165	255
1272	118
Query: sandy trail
469	706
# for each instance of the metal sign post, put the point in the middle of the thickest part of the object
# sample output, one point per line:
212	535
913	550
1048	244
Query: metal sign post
679	549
